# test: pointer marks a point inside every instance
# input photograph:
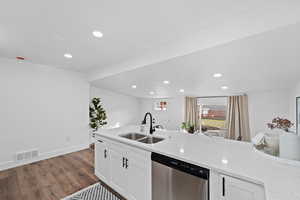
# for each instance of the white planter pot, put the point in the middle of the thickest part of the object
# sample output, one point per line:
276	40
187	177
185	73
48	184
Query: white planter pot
290	146
272	142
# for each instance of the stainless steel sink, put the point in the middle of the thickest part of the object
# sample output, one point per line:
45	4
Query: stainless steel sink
142	138
151	140
133	136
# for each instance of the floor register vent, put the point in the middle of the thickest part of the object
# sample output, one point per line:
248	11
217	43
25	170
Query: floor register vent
27	155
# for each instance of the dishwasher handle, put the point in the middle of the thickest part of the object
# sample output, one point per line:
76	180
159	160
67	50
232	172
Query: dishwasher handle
223	186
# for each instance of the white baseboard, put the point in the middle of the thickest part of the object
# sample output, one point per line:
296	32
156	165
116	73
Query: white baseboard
43	156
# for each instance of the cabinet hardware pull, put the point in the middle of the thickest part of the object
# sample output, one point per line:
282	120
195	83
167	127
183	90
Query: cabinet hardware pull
126	163
100	141
123	162
105	153
223	188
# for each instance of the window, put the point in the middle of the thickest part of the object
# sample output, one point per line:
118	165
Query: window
212	114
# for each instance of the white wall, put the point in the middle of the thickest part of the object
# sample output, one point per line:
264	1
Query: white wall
120	109
41	108
295	92
263	107
171	118
266	105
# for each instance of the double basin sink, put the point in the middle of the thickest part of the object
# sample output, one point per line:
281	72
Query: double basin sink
142	138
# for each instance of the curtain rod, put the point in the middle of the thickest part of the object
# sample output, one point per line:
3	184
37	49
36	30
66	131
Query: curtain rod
222	96
212	97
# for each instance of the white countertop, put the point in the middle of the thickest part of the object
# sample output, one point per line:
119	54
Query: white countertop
238	159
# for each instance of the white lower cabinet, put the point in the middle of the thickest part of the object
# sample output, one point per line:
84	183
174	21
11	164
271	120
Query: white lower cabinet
118	179
237	189
102	160
129	170
139	176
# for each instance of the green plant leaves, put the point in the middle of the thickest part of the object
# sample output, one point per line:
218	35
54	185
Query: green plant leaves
97	114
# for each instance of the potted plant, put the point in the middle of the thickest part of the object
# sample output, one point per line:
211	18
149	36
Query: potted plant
190	128
97	117
279	127
289	143
280	123
97	114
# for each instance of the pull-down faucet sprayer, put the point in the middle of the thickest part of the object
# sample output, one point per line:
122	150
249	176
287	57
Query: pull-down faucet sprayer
151	121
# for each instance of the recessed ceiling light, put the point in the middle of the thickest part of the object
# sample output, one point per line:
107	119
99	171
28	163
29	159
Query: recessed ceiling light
97	34
133	86
218	75
152	93
68	55
224	161
181	90
224	87
166	82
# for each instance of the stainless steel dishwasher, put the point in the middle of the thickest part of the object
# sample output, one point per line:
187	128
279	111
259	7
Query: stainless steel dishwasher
177	180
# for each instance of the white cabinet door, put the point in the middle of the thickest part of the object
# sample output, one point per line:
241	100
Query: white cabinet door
236	189
118	177
102	161
139	177
130	169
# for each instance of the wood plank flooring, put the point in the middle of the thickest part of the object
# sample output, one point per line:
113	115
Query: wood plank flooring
50	179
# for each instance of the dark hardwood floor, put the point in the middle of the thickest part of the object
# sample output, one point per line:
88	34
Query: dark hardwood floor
50	179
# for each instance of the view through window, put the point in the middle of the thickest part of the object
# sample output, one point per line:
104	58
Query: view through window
213	111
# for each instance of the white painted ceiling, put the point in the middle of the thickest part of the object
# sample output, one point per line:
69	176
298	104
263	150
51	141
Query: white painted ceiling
265	61
136	32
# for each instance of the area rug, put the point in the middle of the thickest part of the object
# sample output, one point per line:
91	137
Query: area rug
93	192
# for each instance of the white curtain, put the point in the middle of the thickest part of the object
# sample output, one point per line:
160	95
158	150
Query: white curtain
238	118
192	111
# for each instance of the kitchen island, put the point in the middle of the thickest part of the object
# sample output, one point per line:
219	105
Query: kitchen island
234	166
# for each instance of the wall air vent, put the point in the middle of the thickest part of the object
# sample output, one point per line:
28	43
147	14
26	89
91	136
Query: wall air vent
26	155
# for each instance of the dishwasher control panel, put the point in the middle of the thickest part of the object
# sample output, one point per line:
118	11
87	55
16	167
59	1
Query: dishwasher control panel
181	165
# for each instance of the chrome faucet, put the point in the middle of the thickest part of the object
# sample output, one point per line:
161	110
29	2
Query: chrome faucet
151	121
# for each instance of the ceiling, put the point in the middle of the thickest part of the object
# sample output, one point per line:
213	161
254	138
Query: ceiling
266	61
136	33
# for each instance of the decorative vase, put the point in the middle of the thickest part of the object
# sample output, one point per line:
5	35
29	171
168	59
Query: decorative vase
272	141
290	146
